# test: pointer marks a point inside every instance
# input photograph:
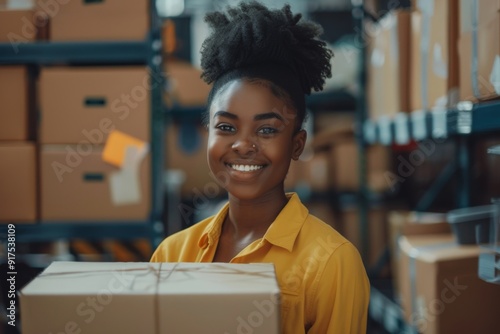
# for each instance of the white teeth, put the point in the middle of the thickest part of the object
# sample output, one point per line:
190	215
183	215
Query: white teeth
246	168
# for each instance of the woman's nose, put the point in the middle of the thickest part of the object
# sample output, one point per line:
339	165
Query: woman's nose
244	146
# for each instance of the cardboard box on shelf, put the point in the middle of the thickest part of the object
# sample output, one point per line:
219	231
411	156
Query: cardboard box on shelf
111	20
77	185
86	104
349	227
440	288
408	223
342	159
186	87
18	26
15	91
434	69
388	62
186	150
150	298
479	50
18	180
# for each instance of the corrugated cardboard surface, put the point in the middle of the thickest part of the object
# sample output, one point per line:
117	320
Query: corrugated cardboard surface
450	297
18	185
488	49
14	94
82	190
441	72
186	87
150	298
17	26
388	66
99	20
85	104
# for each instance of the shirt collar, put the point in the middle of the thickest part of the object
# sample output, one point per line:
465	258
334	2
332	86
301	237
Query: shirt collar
282	233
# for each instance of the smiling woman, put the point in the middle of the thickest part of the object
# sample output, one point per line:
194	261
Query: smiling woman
262	63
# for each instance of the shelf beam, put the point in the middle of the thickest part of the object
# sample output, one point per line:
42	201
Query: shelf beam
54	53
47	232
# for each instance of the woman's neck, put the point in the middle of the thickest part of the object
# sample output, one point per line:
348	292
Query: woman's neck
253	216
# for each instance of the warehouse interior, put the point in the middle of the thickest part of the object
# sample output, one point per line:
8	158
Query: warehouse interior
103	146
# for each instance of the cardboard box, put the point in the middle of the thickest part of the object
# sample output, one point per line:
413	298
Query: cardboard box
111	20
185	85
18	190
389	63
14	110
440	288
76	185
349	227
149	298
18	26
434	56
186	150
84	104
479	50
409	223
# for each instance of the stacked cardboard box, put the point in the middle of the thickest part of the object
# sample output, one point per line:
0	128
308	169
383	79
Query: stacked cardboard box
440	288
479	49
80	108
18	178
97	20
388	60
434	57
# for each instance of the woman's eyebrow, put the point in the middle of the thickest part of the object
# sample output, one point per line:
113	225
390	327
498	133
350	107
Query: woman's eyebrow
268	115
222	113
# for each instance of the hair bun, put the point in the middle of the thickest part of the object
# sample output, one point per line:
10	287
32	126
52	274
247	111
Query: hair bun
250	34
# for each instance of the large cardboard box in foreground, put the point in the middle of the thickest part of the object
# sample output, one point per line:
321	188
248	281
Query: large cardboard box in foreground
18	186
76	184
440	288
84	104
150	298
110	20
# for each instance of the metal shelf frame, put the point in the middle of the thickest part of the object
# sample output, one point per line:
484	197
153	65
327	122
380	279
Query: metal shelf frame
147	53
465	119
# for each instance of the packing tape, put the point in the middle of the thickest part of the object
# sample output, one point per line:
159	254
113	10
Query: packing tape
424	54
125	185
475	62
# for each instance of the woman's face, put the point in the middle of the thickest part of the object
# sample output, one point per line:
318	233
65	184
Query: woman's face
252	139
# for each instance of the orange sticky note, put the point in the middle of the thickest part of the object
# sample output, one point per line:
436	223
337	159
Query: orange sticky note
114	150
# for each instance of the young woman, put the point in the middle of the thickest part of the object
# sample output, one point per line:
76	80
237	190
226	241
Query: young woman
262	63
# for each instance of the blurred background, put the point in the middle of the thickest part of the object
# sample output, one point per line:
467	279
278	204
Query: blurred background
103	152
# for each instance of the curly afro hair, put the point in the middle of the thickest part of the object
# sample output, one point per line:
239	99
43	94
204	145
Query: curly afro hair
250	34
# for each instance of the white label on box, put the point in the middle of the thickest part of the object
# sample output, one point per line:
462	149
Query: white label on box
439	66
495	75
125	184
402	130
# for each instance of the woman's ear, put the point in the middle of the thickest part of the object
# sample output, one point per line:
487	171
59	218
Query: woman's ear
299	142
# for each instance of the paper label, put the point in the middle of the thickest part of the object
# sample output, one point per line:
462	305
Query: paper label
495	75
125	184
377	58
439	65
426	7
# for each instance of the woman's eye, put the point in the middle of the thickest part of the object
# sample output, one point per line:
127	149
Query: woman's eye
225	128
267	131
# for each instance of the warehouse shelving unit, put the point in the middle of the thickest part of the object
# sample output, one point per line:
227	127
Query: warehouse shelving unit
147	53
459	123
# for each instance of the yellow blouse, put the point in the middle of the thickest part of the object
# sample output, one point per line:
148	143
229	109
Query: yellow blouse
322	278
